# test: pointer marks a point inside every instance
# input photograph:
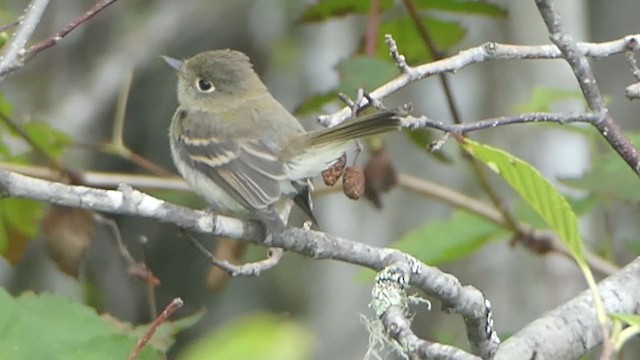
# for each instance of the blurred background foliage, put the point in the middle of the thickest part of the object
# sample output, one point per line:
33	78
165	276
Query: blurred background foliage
66	101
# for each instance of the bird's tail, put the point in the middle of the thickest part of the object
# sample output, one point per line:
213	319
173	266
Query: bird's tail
378	123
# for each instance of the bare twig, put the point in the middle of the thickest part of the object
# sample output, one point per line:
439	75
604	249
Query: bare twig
101	179
13	58
486	52
249	269
558	118
9	25
174	305
587	82
401	61
136	269
35	146
151	285
18	60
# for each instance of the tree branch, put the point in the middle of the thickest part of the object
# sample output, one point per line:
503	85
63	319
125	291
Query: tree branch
18	59
14	56
465	300
571	329
607	127
486	52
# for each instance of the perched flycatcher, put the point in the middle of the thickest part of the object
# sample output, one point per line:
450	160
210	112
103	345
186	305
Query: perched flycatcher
240	149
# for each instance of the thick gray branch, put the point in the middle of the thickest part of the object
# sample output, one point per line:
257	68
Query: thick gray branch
466	301
571	329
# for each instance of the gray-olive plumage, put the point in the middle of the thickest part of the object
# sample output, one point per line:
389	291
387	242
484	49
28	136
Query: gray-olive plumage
240	149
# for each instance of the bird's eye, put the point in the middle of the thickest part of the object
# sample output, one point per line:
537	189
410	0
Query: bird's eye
205	86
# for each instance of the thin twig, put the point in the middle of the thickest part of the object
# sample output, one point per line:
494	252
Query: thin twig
14	55
558	118
9	25
21	58
174	305
607	127
35	146
110	180
486	52
136	269
249	269
151	287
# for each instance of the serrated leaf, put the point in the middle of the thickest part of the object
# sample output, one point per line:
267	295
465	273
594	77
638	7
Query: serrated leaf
315	103
51	140
254	337
552	207
445	34
463	6
440	242
363	72
325	9
49	326
609	177
542	97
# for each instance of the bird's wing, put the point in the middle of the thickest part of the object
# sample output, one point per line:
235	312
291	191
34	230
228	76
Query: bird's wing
247	170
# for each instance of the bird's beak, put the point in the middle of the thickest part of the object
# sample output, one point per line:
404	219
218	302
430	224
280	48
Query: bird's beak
174	63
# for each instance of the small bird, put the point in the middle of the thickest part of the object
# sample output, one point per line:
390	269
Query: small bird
240	149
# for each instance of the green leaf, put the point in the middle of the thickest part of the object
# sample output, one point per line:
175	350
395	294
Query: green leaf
254	337
610	177
527	215
5	106
4	238
315	103
24	215
3	38
325	9
542	98
440	242
19	222
536	191
463	6
51	327
52	141
445	34
630	319
363	72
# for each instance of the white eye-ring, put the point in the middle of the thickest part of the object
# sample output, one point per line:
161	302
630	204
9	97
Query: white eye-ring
205	86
